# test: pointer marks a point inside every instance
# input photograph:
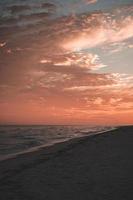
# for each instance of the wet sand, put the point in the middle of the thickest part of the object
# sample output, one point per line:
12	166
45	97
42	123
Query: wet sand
98	167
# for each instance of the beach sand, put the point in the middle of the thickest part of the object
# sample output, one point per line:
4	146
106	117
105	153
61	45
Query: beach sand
98	167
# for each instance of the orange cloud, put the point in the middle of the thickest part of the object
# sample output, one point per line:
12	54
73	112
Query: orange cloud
48	62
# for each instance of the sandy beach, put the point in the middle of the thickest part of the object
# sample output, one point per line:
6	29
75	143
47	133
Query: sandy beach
98	167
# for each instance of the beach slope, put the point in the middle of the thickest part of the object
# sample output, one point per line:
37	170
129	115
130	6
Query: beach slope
98	167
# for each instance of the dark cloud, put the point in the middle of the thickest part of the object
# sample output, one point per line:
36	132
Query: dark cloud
49	6
31	17
18	8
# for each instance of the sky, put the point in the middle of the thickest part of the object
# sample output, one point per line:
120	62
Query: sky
66	62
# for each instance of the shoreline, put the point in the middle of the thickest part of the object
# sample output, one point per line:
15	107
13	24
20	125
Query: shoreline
42	147
92	167
43	154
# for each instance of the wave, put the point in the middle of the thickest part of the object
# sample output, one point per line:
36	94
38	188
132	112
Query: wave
17	140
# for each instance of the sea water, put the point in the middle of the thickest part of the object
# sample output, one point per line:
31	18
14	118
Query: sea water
18	139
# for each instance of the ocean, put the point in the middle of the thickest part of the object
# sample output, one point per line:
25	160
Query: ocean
16	140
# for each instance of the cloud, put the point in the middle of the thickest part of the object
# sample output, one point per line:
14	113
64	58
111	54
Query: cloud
83	60
49	6
66	34
98	101
42	79
106	31
130	46
2	44
112	82
16	14
54	61
91	1
18	8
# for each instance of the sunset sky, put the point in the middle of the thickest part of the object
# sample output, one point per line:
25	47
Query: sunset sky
66	62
